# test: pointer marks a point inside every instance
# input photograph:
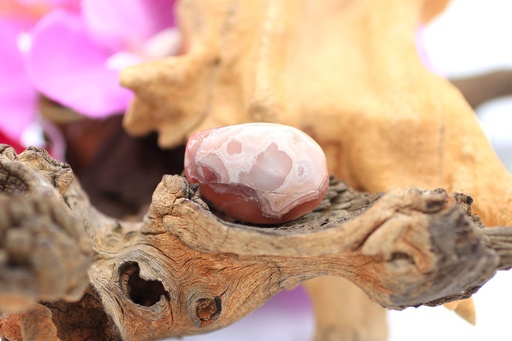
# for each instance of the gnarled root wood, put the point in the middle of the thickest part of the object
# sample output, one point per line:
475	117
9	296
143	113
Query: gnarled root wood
185	270
347	316
346	72
44	253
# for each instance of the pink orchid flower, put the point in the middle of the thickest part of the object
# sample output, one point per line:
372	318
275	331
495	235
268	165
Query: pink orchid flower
18	98
72	51
75	59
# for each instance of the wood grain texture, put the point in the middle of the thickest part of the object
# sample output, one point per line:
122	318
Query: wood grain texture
185	270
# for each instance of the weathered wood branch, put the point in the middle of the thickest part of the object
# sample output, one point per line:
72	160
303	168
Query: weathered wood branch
500	240
186	270
44	253
403	236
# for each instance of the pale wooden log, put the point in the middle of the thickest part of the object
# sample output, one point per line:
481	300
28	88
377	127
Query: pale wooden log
350	315
464	308
347	72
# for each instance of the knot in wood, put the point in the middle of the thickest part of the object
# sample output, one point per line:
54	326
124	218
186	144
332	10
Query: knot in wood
208	309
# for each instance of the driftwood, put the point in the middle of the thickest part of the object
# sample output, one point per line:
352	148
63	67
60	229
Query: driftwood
186	270
44	251
364	94
346	72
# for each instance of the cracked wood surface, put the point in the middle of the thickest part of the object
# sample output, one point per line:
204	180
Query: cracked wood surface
186	270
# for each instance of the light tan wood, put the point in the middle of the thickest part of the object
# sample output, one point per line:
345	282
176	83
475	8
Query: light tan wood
347	316
347	72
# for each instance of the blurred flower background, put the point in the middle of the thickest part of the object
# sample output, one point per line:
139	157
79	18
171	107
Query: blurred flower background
71	52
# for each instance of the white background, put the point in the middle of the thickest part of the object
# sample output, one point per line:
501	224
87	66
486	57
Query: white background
471	36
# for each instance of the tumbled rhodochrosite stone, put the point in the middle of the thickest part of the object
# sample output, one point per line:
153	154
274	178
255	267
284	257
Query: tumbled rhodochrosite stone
259	173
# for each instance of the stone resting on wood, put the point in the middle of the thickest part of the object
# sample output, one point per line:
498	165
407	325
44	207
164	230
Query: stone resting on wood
69	272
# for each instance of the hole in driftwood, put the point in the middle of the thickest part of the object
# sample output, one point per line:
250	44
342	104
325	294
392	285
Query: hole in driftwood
208	310
140	291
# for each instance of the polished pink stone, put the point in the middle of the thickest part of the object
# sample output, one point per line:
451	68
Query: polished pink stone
258	173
